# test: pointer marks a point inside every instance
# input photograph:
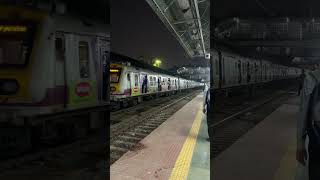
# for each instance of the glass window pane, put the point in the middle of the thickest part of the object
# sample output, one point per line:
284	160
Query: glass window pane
84	59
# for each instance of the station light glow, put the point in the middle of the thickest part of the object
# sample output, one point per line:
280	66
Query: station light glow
11	28
157	62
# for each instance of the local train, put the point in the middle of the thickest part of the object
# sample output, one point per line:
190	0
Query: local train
50	63
231	70
131	80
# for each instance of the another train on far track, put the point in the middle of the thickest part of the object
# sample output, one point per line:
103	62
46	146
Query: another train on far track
131	80
231	70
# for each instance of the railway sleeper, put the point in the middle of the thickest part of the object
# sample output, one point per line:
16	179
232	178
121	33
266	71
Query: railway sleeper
124	144
152	124
117	149
146	127
136	134
130	138
159	120
141	131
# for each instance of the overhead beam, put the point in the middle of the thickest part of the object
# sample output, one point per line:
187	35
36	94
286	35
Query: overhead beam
169	5
184	21
200	26
267	43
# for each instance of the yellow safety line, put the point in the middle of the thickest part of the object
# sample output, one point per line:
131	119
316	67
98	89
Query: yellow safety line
182	165
288	164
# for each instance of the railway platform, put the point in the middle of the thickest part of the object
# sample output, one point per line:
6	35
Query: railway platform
266	152
177	149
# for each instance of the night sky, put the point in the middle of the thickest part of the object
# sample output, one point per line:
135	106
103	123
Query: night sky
94	9
136	31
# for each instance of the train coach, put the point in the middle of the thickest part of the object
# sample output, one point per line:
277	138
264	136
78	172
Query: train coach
231	70
50	63
131	80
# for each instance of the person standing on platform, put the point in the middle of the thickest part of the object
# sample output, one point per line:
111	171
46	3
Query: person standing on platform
145	84
301	79
144	88
206	107
309	125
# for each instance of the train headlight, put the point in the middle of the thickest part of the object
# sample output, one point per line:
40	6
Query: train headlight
113	89
8	87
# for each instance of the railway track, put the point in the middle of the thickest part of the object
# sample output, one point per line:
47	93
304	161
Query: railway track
128	127
84	159
126	134
140	109
231	127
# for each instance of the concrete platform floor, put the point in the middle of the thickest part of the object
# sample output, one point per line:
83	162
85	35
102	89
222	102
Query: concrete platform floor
267	152
175	150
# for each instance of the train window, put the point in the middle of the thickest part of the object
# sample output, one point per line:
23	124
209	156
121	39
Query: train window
13	53
136	80
15	44
150	80
128	77
84	59
243	68
59	45
115	75
154	80
217	67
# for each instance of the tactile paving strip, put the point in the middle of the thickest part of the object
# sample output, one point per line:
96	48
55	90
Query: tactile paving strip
182	165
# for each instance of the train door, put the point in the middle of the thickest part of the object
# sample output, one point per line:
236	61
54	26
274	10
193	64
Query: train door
60	68
178	87
261	71
129	82
103	69
81	76
216	80
175	84
159	84
135	89
239	72
255	71
83	88
164	86
220	69
155	84
150	84
243	70
223	72
144	82
248	72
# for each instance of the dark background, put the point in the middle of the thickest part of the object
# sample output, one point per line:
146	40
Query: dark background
95	9
223	9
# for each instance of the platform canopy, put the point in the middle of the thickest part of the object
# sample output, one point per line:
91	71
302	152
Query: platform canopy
189	21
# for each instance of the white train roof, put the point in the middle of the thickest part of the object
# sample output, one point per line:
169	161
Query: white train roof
69	23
